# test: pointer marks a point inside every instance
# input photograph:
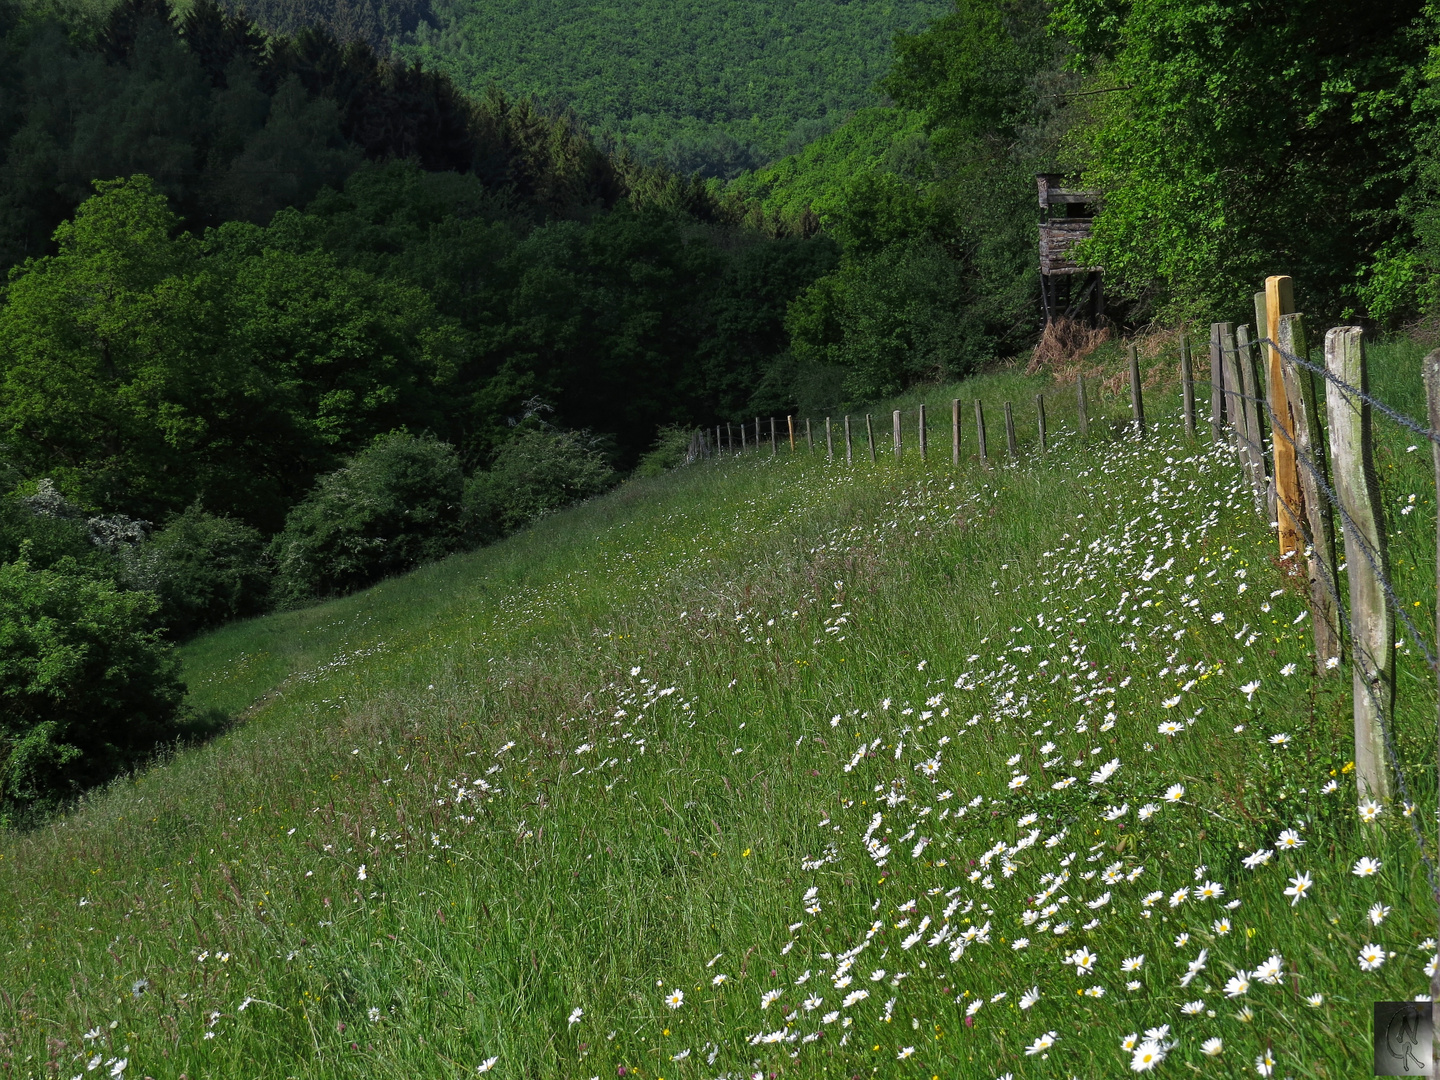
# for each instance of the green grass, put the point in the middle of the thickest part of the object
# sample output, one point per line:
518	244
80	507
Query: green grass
633	842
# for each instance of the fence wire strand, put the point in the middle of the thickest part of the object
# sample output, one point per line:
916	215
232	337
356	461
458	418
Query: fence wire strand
1391	751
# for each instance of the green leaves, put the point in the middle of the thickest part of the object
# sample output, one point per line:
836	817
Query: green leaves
87	688
1237	140
145	372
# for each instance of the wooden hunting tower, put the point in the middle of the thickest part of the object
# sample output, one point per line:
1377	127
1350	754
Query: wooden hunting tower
1066	218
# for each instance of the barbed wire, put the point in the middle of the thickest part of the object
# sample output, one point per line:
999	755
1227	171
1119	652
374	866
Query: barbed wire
1371	555
1387	735
1407	422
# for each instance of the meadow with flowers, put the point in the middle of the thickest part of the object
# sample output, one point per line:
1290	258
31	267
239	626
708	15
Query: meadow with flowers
771	767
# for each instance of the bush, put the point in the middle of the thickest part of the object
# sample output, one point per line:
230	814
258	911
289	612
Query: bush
536	473
672	446
87	687
44	539
205	569
395	505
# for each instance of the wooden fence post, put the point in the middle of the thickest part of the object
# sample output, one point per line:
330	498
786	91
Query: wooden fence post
849	450
1310	447
1254	387
772	437
1137	403
729	437
1010	433
1235	417
1217	383
829	441
980	431
809	440
870	437
1254	456
1187	386
1258	360
790	423
743	447
1259	375
1430	370
955	431
1280	300
924	445
1372	624
1040	419
1082	406
1230	380
895	422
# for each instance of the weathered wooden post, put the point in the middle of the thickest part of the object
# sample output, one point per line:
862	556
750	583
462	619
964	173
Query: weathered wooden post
773	450
1259	376
1137	404
1217	384
1259	363
829	441
1372	624
955	431
895	418
849	449
924	446
729	437
1040	419
1082	416
1254	388
870	436
1310	451
743	446
1253	458
1280	300
1010	433
1234	403
790	424
1430	370
1187	386
980	431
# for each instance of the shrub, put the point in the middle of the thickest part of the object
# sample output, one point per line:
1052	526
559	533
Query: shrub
44	539
395	505
671	447
534	474
87	687
205	569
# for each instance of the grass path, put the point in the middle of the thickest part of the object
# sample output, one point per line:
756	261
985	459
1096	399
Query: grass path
763	766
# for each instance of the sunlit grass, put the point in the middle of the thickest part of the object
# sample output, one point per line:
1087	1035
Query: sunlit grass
542	828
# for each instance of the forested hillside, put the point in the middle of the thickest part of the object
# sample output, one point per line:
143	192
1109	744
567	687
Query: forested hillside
714	87
1227	141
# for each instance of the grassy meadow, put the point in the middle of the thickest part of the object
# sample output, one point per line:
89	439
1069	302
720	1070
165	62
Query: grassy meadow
771	767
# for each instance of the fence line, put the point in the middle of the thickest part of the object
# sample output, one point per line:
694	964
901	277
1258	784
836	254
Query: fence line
1380	707
1301	470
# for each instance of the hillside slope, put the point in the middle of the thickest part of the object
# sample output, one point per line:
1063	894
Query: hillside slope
716	87
767	765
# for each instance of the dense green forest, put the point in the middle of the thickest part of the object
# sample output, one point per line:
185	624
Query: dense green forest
717	88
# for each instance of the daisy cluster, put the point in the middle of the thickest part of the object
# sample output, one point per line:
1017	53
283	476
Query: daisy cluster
1058	891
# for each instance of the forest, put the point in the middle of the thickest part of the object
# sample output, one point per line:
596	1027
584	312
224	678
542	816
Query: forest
290	309
718	88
